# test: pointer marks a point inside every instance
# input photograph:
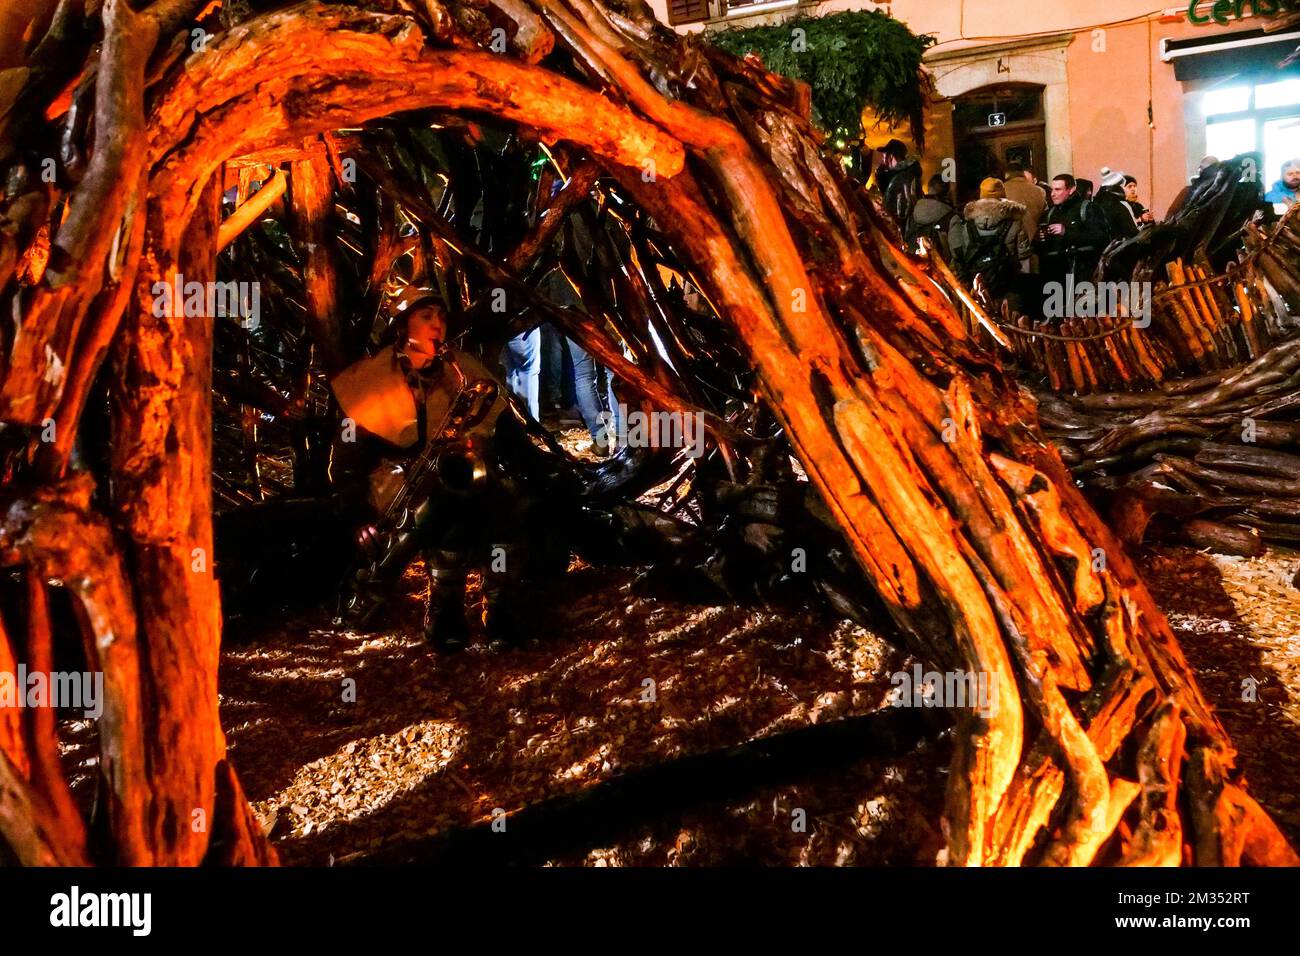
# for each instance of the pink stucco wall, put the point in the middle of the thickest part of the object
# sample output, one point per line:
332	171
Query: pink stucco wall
1109	93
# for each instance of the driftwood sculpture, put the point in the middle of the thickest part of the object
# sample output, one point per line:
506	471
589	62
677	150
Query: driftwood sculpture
117	139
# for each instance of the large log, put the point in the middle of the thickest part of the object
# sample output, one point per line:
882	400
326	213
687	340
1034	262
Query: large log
161	473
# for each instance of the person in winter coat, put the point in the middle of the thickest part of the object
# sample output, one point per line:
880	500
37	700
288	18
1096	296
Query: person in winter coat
1073	235
1110	200
899	178
1021	188
991	242
932	217
1286	191
1141	214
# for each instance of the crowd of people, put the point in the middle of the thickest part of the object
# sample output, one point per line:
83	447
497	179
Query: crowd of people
1021	234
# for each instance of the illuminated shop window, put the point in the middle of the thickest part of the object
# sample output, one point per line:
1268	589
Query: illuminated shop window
1249	117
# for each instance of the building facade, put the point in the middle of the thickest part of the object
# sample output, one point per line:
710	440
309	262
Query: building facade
1073	86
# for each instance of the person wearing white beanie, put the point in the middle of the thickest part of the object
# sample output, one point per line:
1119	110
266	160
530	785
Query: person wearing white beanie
1110	198
1110	178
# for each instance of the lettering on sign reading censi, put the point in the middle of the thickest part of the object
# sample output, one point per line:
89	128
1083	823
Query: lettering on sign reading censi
1224	12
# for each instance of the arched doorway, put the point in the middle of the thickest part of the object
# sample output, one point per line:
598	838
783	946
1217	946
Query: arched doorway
994	126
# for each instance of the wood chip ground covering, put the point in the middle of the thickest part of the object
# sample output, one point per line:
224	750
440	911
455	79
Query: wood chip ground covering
431	745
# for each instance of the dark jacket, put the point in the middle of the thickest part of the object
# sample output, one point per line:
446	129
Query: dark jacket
901	187
1119	220
1078	250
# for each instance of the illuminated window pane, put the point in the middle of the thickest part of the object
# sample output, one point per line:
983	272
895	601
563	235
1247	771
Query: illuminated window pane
1226	140
1285	93
1233	99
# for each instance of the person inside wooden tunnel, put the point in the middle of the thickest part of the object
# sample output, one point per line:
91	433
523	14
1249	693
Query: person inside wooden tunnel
423	452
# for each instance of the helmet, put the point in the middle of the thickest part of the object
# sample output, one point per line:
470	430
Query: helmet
414	297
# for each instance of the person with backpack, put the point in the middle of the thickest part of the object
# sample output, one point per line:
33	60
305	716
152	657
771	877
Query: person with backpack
932	217
991	242
898	178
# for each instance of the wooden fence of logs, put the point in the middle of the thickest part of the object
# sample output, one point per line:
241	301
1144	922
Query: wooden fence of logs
1199	322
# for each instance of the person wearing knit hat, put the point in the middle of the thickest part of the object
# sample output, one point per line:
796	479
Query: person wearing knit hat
990	242
1110	178
1120	222
1141	214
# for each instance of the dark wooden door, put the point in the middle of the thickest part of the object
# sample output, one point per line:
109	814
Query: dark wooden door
994	127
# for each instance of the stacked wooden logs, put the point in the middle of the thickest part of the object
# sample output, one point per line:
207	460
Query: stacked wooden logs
1276	254
1218	455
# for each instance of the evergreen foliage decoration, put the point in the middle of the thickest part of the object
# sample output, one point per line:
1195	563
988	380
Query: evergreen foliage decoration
851	59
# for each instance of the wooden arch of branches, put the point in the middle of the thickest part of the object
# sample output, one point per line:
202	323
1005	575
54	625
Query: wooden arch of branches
961	516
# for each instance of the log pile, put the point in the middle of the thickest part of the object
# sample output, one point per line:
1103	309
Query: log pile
1219	454
926	454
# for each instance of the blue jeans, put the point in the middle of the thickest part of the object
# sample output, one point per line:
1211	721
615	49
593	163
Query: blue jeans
522	358
591	403
557	389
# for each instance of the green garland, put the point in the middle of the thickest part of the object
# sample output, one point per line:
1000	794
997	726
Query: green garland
851	60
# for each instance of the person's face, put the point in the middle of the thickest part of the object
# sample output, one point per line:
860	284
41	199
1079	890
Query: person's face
1131	192
1060	191
888	161
425	330
1291	176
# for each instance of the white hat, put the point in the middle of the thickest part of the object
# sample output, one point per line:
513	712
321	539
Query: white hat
1109	178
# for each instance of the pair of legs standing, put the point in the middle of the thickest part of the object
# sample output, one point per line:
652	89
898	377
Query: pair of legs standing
573	377
488	531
